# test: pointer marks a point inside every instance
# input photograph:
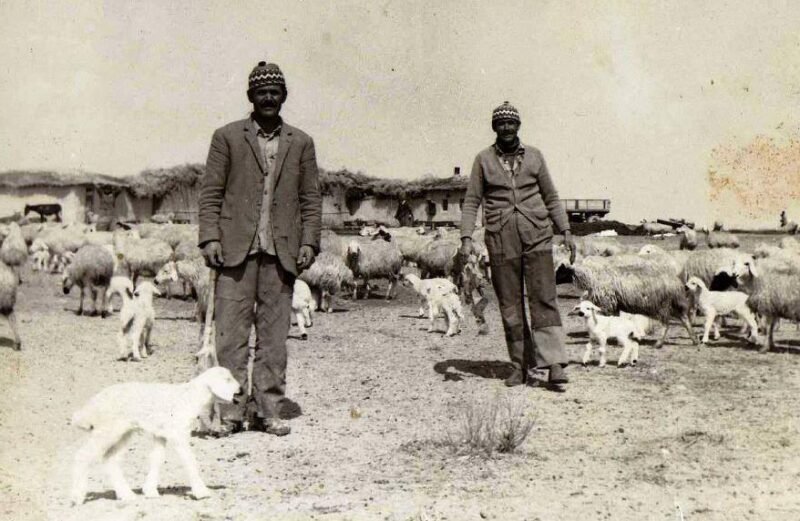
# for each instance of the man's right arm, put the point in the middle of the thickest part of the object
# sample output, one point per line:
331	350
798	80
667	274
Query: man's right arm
472	200
212	192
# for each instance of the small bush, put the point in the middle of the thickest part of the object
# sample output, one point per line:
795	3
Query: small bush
483	429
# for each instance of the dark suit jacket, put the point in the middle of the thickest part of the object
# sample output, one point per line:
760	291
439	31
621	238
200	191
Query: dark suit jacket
231	193
532	193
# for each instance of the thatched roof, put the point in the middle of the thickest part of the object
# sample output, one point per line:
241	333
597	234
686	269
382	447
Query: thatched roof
360	185
30	178
157	182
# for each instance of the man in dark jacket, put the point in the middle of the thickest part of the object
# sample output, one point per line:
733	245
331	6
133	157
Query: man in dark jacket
520	207
260	216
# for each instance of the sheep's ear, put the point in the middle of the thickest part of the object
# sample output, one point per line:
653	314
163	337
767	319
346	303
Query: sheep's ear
129	292
155	291
594	315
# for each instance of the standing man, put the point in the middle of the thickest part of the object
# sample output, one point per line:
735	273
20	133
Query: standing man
520	206
260	216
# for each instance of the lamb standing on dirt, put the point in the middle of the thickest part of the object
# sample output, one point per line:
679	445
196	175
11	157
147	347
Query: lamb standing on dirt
423	287
376	260
713	303
303	305
602	327
166	412
91	270
447	305
136	321
8	298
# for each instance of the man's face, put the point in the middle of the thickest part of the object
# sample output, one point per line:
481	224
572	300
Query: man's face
506	130
267	100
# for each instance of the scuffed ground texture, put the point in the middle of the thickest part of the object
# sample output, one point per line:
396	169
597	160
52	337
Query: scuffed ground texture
711	432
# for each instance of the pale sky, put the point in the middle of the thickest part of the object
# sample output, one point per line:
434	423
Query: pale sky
617	95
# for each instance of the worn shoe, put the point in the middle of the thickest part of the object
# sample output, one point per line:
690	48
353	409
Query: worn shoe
518	377
275	426
557	375
228	428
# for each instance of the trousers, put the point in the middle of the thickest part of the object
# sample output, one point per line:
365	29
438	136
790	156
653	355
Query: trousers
257	291
521	259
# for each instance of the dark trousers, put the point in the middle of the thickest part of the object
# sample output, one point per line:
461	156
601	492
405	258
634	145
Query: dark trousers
258	290
522	262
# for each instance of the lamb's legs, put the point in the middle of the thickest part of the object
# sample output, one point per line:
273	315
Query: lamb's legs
452	323
432	317
80	305
12	323
710	316
602	349
146	350
749	322
150	487
103	443
307	317
118	482
627	346
136	336
122	340
199	489
301	324
587	354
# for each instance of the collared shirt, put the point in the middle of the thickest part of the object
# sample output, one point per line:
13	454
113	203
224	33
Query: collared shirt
268	145
511	161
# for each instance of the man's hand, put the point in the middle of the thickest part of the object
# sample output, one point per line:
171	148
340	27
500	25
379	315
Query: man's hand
306	257
569	242
212	253
466	247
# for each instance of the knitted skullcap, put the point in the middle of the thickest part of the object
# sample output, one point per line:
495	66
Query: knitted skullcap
505	111
265	74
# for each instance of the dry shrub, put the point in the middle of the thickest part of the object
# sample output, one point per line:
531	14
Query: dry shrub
485	428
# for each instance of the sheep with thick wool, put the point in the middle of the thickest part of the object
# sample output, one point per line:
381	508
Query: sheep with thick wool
720	239
328	275
706	264
9	281
644	285
773	286
60	240
714	303
675	258
374	260
14	251
91	270
141	256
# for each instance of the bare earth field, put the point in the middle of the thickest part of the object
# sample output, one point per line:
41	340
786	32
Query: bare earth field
710	431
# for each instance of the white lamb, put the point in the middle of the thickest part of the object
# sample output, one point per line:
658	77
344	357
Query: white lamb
303	305
166	412
447	304
422	287
137	317
602	327
714	303
40	260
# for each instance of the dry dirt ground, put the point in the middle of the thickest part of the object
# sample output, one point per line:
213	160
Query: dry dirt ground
710	433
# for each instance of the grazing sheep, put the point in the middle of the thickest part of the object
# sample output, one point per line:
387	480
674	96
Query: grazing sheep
719	239
705	264
713	303
422	287
8	298
141	256
635	284
773	287
688	238
303	305
119	285
328	275
14	251
651	228
601	328
166	412
136	321
60	240
600	246
374	260
675	258
91	271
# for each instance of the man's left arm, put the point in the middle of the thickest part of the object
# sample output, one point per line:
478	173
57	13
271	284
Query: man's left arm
553	203
310	198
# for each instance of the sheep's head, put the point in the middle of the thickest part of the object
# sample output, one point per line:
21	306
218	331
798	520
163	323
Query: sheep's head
353	252
695	285
409	280
66	280
146	289
585	309
220	382
167	273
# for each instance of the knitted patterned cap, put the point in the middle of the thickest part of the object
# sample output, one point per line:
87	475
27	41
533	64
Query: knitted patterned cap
265	74
505	111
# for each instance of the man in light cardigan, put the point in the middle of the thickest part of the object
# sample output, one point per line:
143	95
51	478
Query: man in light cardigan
520	206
